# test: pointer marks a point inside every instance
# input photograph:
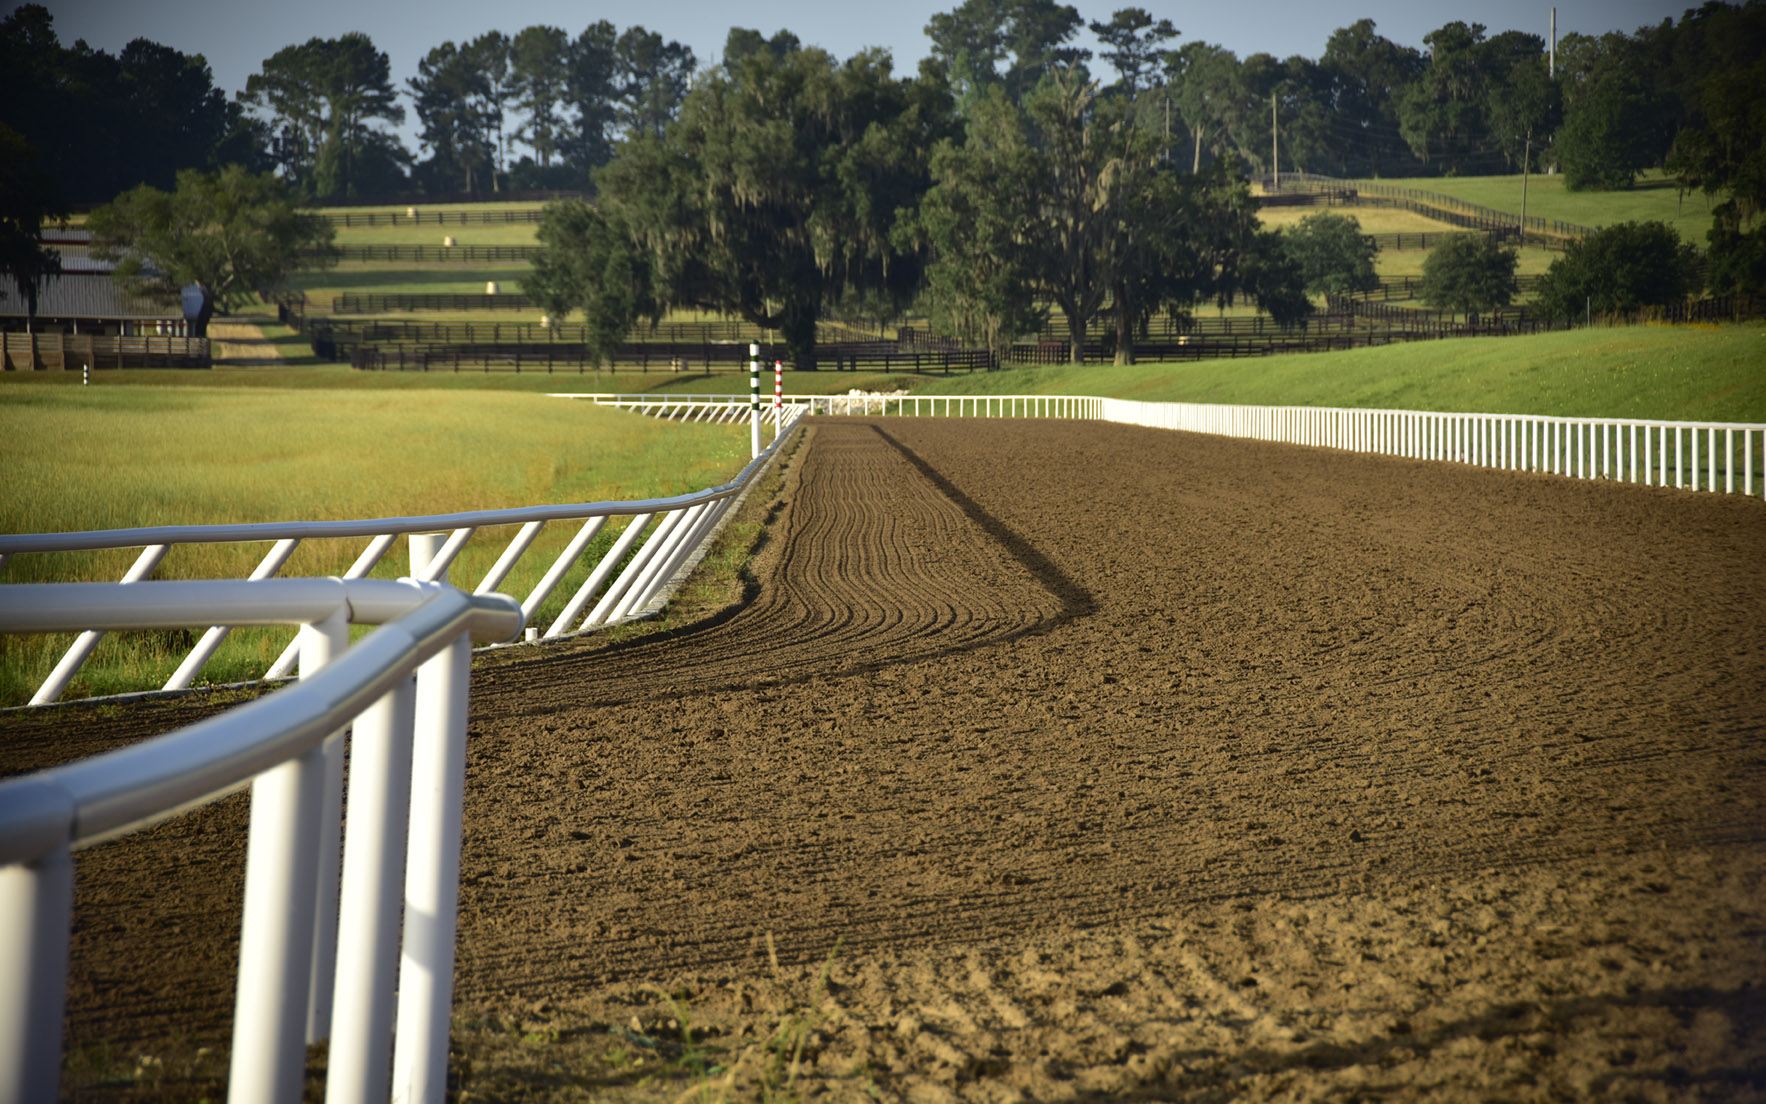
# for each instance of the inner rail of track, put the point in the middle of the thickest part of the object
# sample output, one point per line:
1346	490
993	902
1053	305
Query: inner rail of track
628	579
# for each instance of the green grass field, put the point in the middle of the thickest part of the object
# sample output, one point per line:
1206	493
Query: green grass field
125	456
1709	373
490	233
1653	197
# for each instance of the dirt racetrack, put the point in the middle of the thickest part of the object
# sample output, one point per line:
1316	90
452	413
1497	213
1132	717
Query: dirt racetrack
1073	761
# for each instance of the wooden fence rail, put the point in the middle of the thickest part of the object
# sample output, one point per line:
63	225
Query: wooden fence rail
569	356
1434	204
377	304
1429	239
457	254
343	335
423	217
65	352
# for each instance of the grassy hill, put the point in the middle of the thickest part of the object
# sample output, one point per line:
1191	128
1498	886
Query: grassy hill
1654	197
1694	373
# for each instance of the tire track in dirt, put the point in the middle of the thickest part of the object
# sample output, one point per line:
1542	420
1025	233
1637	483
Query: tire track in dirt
881	560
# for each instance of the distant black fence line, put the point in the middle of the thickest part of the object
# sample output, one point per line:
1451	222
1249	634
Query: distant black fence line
1390	288
567	356
1407	287
341	334
1429	239
1444	207
421	216
419	199
379	304
435	253
1348	322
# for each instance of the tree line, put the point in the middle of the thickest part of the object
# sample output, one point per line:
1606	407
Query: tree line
1015	173
543	108
1004	181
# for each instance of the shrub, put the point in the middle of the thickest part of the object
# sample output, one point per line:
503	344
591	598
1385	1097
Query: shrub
1618	269
1333	255
1470	273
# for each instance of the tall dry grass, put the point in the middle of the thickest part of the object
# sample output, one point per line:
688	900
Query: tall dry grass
107	458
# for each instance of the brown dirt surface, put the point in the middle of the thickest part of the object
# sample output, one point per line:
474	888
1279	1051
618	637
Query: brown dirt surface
1068	761
242	344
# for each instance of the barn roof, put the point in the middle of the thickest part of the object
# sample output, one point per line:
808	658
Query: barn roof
86	295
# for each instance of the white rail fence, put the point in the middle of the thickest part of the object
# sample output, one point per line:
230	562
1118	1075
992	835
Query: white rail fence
715	408
1725	457
1720	457
321	954
672	531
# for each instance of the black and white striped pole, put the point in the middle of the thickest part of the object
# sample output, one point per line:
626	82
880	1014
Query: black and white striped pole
753	399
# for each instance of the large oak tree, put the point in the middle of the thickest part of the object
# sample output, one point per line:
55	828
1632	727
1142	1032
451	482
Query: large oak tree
773	195
230	233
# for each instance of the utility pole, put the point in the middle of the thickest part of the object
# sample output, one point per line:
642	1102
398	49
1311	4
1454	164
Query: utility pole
1275	148
1553	67
1526	164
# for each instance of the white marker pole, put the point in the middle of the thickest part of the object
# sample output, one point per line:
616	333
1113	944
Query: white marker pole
754	399
778	397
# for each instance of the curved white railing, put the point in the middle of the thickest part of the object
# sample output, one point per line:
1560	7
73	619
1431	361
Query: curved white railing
678	528
715	408
320	951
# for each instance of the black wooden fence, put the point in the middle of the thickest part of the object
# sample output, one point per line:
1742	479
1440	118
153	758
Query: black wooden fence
420	216
1433	204
380	304
648	356
427	254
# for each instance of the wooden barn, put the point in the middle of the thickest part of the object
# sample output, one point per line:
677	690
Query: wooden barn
85	319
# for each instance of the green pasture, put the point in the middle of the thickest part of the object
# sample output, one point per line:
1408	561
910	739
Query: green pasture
1655	196
1530	260
429	233
427	208
1702	372
106	457
1373	220
404	278
1693	373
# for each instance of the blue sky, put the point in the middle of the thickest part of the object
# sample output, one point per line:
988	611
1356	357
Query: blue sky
237	35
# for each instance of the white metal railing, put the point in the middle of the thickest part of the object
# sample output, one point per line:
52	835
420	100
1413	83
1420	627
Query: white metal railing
1700	456
1703	456
321	954
735	407
676	528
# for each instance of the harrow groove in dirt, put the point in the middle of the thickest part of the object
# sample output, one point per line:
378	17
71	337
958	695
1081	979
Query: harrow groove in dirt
1117	762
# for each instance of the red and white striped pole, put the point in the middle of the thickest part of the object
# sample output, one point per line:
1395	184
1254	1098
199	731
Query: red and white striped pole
778	398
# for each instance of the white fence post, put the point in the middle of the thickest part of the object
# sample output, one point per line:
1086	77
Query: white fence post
327	640
360	1058
277	931
432	877
36	917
